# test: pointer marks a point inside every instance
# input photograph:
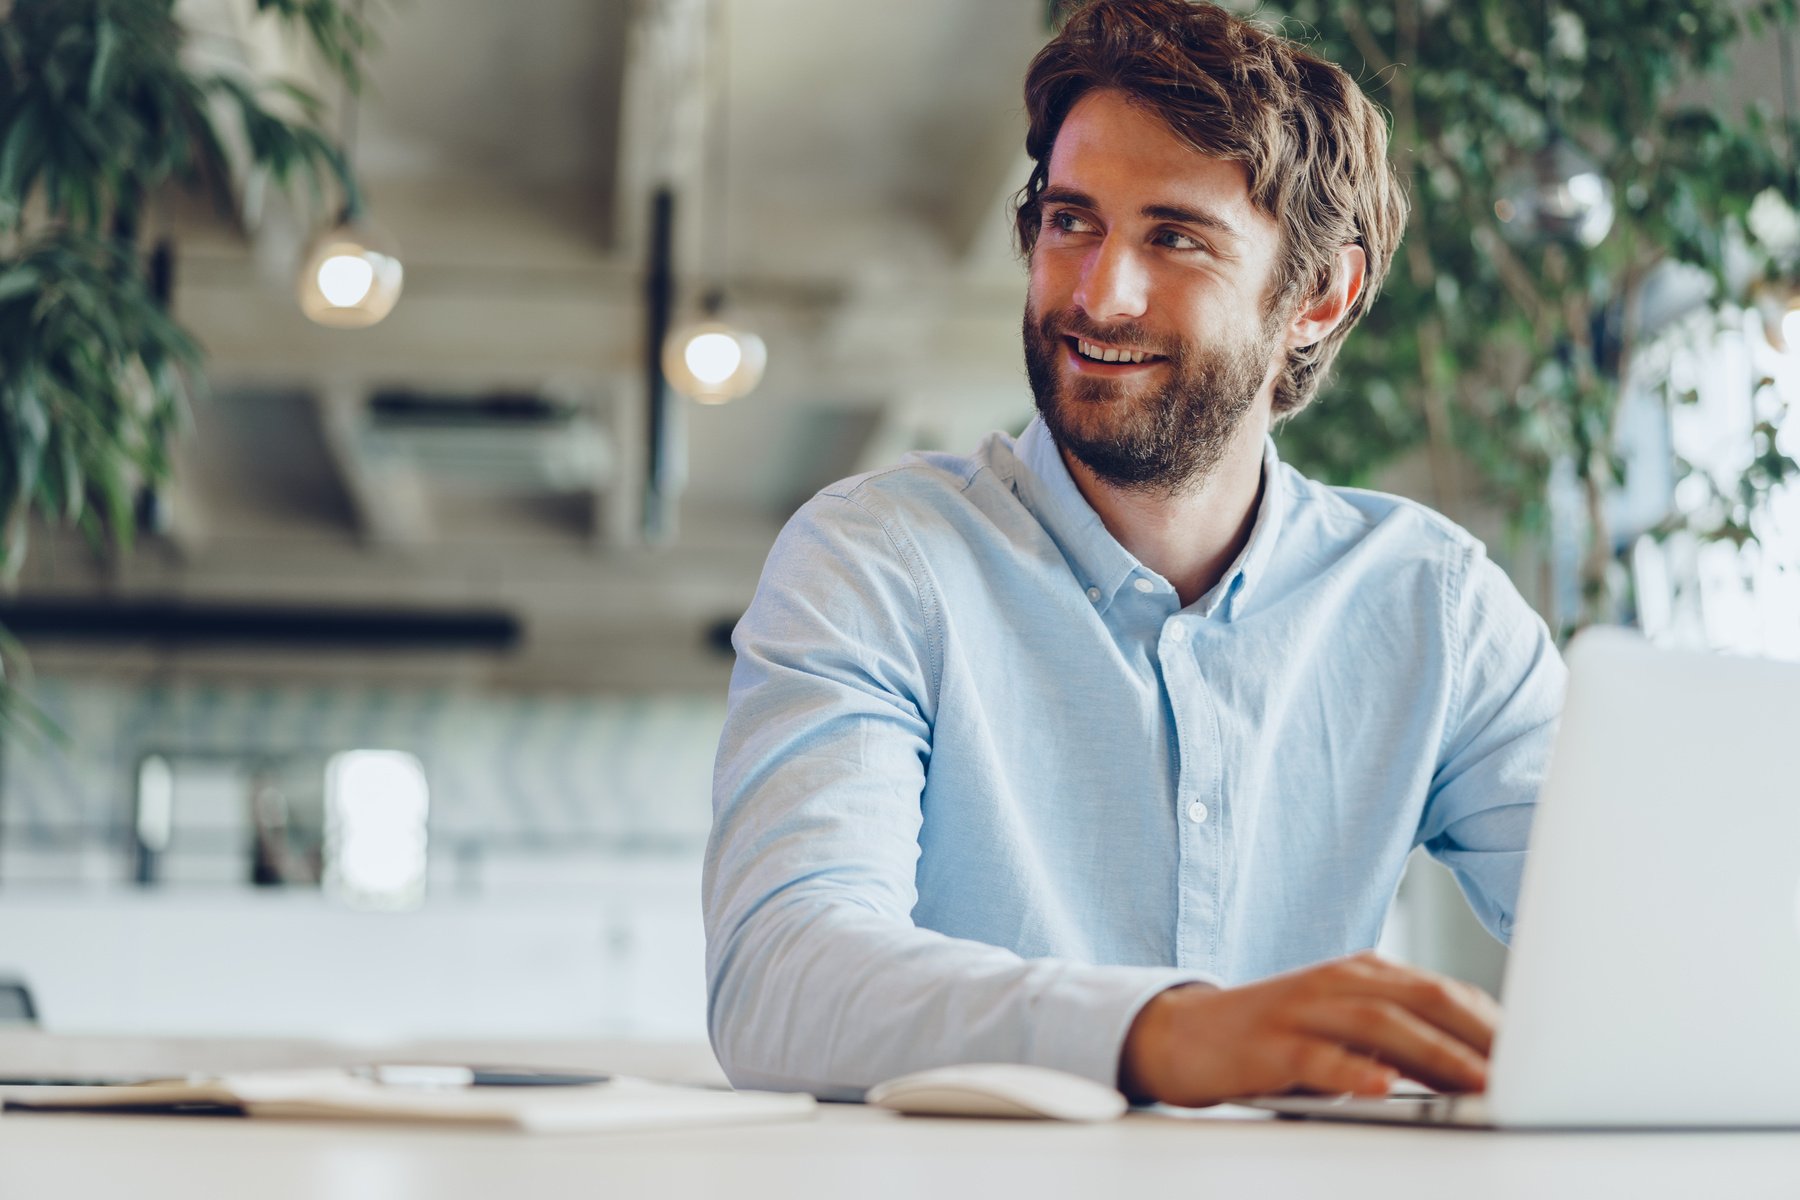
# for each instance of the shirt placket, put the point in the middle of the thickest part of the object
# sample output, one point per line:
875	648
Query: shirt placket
1198	793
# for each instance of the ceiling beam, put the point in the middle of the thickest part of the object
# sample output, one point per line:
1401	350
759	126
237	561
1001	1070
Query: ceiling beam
978	225
392	507
662	121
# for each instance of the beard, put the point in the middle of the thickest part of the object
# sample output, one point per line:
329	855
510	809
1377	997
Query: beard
1161	440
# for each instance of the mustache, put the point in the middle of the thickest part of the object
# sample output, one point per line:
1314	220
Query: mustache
1072	323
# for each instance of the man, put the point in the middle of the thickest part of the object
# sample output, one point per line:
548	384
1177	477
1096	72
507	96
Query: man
1087	749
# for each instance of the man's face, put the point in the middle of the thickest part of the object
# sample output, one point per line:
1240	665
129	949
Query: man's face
1147	250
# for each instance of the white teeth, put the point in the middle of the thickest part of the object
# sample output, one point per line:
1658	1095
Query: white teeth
1098	354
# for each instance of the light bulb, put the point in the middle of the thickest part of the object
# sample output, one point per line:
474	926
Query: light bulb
712	357
713	362
1777	302
1558	195
350	275
345	279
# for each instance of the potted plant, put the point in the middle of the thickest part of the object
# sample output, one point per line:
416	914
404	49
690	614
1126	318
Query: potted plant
103	109
1501	345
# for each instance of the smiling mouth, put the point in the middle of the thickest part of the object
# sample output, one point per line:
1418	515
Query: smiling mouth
1100	355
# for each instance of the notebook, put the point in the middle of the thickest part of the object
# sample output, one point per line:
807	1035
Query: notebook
617	1104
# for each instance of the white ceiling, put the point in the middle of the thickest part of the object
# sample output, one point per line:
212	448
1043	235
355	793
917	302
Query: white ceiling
861	135
526	91
869	151
509	149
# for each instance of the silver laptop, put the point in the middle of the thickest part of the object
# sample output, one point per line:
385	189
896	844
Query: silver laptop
1655	972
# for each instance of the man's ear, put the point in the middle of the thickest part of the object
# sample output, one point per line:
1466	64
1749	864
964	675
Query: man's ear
1326	310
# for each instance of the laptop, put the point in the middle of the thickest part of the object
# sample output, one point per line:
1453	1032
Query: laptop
1654	980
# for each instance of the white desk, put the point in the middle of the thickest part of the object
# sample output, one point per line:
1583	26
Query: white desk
848	1151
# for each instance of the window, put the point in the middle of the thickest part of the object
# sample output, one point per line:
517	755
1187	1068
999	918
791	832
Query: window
376	804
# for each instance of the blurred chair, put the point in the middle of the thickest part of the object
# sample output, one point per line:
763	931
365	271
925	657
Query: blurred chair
16	1007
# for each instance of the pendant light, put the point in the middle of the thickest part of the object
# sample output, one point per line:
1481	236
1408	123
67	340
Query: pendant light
1779	306
1778	300
1558	195
710	359
350	273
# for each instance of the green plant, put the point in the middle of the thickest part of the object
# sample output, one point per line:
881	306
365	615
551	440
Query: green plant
100	113
1501	359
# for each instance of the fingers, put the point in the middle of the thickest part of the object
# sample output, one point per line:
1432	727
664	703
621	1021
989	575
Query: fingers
1466	1013
1318	1065
1392	1034
1352	1025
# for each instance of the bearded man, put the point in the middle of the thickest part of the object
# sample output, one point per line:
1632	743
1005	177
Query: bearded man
1103	749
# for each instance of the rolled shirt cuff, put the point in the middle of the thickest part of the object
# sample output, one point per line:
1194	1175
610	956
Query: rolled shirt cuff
1081	1022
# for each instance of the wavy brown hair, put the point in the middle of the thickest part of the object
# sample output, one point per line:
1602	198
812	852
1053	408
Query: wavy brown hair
1314	147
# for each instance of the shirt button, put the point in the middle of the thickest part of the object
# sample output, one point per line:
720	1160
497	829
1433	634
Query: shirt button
1143	585
1196	812
1094	595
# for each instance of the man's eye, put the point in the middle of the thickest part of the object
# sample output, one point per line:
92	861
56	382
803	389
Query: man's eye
1179	241
1067	222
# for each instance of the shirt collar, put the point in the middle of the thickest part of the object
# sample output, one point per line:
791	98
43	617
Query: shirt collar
1252	562
1104	566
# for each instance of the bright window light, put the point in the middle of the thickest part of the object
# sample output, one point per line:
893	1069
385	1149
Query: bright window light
155	802
376	804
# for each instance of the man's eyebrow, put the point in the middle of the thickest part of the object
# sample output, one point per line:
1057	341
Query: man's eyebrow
1066	195
1192	216
1155	212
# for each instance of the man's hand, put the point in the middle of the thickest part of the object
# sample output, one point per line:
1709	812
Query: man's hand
1352	1025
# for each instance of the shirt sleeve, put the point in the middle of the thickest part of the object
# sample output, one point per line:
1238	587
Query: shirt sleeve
1497	743
817	978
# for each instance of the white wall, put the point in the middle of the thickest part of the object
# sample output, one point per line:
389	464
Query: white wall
620	957
565	839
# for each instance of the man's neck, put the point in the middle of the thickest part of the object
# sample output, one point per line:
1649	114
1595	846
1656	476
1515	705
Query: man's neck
1192	537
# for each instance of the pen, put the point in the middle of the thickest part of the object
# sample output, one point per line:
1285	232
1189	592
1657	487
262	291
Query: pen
427	1075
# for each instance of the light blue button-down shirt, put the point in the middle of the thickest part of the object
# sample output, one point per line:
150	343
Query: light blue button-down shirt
986	786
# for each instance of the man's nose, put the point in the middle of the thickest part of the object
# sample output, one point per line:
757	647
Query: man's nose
1114	285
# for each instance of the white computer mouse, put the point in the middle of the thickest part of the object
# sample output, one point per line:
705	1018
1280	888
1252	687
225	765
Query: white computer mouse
999	1090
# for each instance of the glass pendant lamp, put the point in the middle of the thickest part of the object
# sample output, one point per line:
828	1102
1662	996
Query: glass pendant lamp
712	360
350	274
709	359
1776	221
1558	194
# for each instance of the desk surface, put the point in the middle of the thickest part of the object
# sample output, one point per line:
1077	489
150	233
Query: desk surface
848	1150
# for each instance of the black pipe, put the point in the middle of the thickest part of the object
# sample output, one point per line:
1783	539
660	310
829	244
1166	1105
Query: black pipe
187	623
659	304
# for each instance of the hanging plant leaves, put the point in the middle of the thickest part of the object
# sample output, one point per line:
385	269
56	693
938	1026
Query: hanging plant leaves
1468	87
99	111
